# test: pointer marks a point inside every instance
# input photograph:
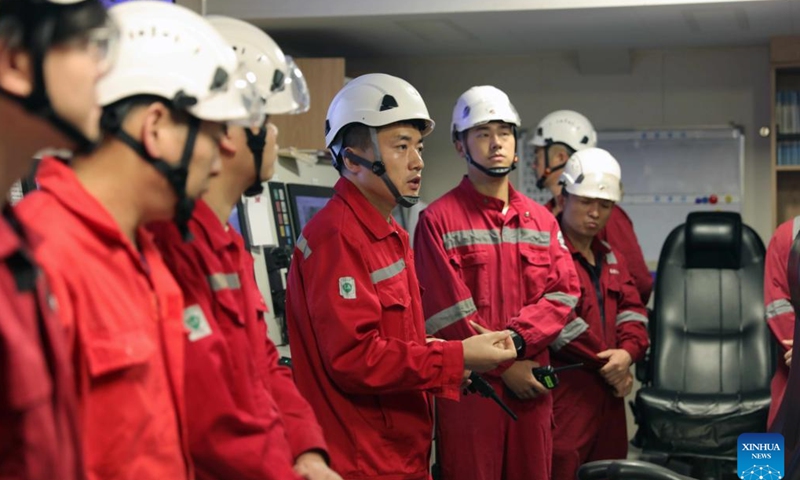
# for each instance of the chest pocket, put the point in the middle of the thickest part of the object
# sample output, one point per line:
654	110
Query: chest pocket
228	309
391	284
118	352
535	268
472	268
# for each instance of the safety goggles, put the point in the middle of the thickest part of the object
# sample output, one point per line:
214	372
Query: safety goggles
232	99
296	84
102	42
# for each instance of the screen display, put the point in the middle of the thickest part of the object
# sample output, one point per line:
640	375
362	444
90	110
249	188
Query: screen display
307	207
304	202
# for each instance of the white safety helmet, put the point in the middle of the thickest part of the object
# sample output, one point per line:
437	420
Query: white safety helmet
593	173
295	98
171	52
481	105
268	68
374	100
264	61
565	127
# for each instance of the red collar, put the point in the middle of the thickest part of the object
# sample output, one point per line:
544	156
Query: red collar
218	235
366	213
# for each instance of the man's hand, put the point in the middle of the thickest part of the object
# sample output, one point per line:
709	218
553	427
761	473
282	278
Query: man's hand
619	363
520	380
486	351
311	466
787	357
623	388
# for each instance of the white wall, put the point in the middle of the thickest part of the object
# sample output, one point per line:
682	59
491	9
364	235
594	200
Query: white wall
687	87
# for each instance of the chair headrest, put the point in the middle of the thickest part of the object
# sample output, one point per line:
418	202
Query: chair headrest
714	240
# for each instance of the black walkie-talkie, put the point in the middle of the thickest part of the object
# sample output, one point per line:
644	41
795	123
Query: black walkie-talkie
547	375
485	389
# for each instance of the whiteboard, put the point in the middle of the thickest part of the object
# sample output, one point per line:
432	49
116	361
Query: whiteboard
666	174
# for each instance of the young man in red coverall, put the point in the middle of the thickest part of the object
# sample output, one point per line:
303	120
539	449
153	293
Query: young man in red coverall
489	255
247	421
354	313
164	110
609	329
779	311
559	135
52	53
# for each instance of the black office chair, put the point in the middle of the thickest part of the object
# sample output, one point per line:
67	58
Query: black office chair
626	470
711	360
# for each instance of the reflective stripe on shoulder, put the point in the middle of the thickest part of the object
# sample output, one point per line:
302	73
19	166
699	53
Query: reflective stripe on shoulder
302	245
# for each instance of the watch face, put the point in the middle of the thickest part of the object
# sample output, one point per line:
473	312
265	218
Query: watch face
518	341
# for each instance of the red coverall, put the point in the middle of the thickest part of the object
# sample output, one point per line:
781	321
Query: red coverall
39	436
358	341
619	233
778	309
503	271
247	419
123	314
590	420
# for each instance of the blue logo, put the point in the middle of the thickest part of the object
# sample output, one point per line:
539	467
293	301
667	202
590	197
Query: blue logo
760	456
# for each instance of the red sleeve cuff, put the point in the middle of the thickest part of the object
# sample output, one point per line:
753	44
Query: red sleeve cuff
634	350
306	439
452	370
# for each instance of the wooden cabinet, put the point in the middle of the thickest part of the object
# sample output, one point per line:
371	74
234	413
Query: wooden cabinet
785	129
306	131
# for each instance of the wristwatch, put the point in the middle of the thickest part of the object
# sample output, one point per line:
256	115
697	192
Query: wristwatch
519	343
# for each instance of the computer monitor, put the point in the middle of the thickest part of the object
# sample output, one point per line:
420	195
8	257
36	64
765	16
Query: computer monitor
238	221
304	202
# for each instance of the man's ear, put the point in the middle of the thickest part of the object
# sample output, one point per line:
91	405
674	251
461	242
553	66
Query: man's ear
227	144
154	119
350	165
462	152
16	71
561	157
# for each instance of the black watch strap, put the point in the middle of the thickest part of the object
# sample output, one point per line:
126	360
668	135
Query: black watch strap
519	343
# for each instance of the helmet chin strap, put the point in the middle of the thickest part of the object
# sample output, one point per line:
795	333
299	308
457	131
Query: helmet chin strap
256	142
496	172
176	176
379	168
540	181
